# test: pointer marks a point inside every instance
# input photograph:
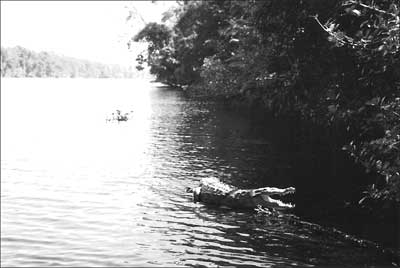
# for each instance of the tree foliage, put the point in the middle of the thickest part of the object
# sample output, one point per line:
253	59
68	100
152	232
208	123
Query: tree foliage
160	52
335	63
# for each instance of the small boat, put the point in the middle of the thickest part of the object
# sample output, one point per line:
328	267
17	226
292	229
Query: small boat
213	191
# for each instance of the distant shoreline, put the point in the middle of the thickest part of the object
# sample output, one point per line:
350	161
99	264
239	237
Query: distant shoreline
21	62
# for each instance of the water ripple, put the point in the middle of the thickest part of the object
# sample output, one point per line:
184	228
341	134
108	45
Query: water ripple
81	192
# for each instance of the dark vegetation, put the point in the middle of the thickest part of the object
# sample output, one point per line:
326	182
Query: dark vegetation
21	62
332	68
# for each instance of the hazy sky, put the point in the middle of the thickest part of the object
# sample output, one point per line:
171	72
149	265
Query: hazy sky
94	30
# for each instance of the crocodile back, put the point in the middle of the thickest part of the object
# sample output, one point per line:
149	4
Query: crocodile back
214	191
215	186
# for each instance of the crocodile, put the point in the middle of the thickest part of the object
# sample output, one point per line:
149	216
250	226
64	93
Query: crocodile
213	191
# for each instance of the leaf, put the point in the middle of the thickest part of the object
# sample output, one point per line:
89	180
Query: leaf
381	47
332	108
355	12
362	200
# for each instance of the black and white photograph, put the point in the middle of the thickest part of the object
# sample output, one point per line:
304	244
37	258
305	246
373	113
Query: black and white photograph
211	133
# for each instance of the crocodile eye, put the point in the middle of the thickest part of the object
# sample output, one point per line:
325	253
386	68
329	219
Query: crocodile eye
189	190
196	194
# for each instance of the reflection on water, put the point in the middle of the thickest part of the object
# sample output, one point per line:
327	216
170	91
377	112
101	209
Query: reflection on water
77	190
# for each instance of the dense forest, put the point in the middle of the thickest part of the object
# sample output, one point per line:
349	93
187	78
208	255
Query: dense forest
332	64
20	62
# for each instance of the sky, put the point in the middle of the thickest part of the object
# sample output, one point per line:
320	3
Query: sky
93	30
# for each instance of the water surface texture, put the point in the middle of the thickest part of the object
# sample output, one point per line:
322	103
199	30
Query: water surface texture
77	190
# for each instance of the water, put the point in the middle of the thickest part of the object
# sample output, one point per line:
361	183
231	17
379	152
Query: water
77	190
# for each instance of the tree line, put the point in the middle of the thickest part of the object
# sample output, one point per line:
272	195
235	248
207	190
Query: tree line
21	62
334	63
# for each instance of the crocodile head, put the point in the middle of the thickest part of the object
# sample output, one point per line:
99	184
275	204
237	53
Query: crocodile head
272	201
196	193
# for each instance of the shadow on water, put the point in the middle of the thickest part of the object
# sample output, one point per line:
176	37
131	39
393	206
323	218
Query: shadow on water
256	149
210	235
206	139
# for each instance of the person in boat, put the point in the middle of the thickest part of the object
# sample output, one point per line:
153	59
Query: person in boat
213	191
118	115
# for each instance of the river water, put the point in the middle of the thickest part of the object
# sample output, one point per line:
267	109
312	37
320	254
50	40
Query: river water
78	190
